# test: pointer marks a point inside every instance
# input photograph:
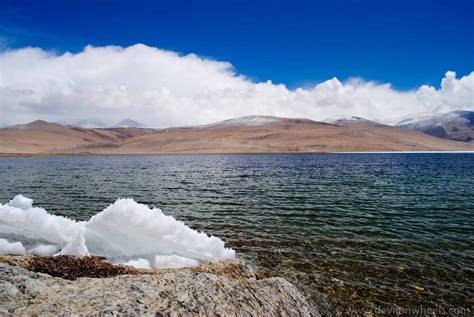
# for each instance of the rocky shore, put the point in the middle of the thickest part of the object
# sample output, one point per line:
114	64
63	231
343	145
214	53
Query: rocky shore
89	285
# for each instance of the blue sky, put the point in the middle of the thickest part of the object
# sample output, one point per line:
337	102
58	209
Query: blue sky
298	43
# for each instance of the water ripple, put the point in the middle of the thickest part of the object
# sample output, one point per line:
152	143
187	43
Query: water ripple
350	230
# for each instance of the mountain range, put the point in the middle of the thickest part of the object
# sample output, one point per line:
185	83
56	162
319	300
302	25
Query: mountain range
92	123
455	125
251	134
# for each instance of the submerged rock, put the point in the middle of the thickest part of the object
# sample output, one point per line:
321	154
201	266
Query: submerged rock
227	288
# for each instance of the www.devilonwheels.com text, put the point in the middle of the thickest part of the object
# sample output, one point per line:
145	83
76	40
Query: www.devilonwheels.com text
415	311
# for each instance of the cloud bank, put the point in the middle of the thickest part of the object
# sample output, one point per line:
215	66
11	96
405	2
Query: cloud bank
162	88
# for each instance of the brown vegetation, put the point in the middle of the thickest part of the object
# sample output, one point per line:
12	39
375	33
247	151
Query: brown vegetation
73	267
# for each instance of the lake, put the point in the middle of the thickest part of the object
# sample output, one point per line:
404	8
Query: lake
352	231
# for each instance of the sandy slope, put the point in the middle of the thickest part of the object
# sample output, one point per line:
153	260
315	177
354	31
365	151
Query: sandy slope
281	135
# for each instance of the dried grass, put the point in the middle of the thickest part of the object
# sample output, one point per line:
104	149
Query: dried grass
72	267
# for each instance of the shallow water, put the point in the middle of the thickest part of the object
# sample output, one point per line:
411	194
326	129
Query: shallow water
368	231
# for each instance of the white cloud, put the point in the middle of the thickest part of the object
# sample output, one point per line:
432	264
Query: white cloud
162	88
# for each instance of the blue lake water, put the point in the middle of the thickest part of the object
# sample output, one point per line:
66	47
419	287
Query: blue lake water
349	230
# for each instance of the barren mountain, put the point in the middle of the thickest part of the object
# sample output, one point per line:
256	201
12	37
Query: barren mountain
242	135
44	137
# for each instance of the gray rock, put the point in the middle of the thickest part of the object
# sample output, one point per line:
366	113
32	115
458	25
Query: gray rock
210	290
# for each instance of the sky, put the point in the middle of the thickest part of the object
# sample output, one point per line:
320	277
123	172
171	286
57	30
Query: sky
171	63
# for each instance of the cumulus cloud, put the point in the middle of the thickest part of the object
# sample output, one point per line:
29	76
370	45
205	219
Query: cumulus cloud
162	88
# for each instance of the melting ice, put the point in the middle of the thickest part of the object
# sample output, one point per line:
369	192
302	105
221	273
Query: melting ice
125	232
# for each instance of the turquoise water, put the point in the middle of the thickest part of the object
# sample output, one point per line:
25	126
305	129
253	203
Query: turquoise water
352	231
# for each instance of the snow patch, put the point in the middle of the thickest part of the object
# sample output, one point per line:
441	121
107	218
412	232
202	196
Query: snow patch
423	121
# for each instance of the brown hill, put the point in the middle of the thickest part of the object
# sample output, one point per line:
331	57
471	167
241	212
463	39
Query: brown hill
242	135
44	137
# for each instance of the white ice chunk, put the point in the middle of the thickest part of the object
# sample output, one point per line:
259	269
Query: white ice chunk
20	201
76	246
44	250
7	247
35	222
125	229
173	262
139	263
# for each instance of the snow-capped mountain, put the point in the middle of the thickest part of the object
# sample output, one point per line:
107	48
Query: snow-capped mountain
244	121
89	124
128	123
455	125
97	124
346	121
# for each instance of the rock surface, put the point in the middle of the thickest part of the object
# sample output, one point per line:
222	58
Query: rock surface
228	288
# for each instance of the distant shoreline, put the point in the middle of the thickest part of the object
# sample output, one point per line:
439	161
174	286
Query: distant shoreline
22	155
